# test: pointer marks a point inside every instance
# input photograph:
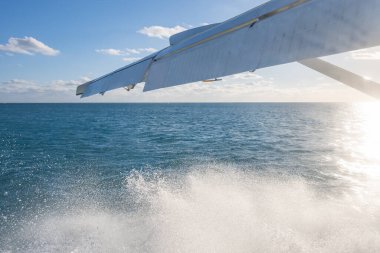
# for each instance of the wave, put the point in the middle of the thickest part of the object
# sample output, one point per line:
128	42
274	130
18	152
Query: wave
210	208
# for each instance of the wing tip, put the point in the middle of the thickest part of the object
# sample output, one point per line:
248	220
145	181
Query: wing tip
81	89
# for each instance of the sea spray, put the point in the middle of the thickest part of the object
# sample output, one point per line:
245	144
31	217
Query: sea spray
212	208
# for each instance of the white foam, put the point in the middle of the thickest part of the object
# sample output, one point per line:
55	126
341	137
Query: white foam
214	209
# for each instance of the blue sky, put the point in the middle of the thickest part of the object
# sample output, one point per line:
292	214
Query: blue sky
48	47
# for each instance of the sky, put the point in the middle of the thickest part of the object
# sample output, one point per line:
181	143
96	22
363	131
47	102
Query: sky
47	48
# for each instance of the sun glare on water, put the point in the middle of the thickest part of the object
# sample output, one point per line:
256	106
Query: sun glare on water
365	131
359	140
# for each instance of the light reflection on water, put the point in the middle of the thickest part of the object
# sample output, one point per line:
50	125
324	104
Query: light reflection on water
368	147
360	142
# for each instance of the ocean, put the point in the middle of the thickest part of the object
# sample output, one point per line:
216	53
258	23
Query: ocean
190	177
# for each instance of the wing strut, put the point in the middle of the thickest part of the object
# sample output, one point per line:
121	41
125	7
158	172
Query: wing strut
353	80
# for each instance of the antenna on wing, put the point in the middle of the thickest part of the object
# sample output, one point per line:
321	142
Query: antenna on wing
212	80
130	87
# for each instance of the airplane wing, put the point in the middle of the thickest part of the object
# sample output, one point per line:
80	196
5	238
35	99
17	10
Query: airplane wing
277	32
125	77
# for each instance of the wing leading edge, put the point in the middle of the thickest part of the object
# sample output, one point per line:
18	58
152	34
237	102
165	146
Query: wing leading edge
278	32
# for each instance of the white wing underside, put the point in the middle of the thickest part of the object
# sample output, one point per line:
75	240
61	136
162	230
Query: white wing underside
278	32
131	74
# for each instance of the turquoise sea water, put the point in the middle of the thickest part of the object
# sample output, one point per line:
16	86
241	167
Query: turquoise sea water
189	178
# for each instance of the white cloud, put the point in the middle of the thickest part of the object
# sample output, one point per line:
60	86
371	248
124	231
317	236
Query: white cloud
131	59
140	50
125	52
161	31
16	86
27	45
129	51
110	51
366	54
148	50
